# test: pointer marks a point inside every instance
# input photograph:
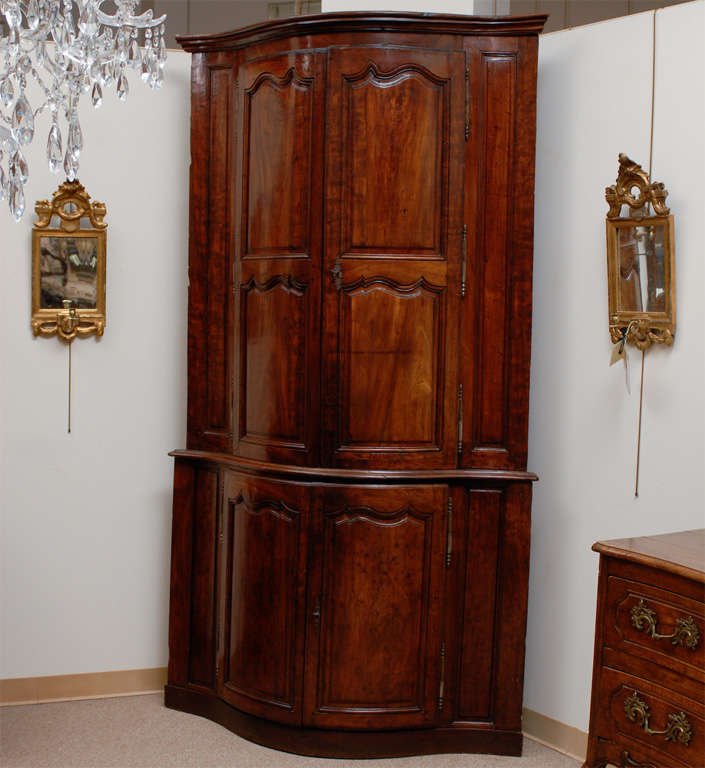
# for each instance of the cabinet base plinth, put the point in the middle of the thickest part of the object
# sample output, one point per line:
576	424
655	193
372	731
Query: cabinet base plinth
317	742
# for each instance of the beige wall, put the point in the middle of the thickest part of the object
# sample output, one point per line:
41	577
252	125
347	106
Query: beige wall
205	16
85	518
574	13
439	6
583	424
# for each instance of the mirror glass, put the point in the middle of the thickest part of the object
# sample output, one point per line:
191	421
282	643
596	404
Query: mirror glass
68	268
642	270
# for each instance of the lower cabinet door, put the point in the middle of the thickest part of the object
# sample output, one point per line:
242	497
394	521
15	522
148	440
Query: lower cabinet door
373	655
262	578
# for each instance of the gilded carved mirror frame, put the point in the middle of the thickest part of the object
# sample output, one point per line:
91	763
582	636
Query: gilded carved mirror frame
70	203
634	189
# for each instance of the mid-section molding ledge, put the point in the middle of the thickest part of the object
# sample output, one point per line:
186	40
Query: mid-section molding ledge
334	474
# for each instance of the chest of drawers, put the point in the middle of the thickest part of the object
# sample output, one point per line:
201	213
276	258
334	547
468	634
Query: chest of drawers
648	687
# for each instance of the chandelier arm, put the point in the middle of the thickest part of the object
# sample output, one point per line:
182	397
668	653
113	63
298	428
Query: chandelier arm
52	67
143	21
38	111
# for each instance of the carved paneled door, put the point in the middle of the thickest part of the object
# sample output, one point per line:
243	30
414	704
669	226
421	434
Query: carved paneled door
279	168
373	648
261	583
393	242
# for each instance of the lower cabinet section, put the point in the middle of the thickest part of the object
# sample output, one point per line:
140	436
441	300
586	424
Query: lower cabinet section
330	608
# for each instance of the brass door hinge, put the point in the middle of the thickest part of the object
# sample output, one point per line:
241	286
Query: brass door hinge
441	685
449	533
467	99
219	643
219	649
460	419
464	264
220	559
219	646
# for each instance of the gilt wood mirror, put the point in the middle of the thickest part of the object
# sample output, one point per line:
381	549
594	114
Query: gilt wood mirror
640	259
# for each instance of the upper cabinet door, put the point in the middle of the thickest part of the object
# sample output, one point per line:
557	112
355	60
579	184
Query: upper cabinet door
393	242
279	167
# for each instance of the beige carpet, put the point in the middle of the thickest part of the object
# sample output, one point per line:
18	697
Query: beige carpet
139	732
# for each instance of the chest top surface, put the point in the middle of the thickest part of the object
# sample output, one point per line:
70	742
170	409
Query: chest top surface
682	552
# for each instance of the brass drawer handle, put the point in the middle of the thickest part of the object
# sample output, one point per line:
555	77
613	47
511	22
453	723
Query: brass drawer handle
686	632
678	729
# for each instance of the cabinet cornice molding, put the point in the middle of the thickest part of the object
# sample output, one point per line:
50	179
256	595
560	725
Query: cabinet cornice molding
348	21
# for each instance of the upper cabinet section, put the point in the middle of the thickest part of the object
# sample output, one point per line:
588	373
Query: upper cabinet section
361	241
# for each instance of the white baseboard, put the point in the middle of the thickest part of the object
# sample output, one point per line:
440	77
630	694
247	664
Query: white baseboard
96	685
555	734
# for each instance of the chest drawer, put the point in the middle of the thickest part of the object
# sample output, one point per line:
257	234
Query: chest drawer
648	685
657	625
643	715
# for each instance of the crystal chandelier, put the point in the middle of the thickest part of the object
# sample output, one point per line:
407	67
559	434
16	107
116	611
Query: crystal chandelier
91	50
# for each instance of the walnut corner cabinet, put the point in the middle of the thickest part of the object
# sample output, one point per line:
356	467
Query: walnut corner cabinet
350	544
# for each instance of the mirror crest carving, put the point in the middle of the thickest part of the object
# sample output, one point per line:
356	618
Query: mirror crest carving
634	189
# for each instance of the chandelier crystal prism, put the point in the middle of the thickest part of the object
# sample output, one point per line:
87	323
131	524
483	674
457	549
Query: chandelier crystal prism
69	49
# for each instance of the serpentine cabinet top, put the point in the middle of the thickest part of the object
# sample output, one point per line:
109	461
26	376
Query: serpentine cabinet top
364	21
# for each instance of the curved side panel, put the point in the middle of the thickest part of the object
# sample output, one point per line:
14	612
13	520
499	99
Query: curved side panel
263	566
